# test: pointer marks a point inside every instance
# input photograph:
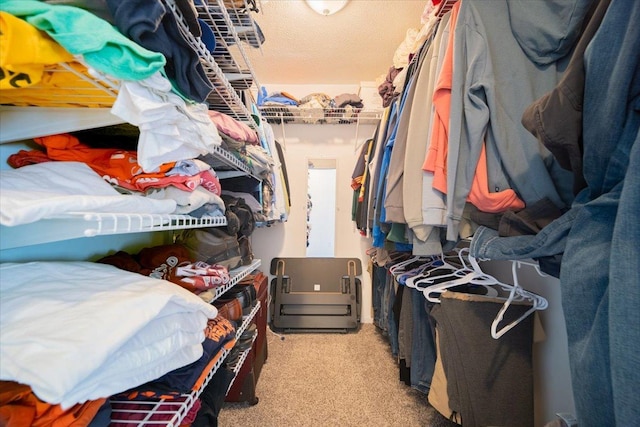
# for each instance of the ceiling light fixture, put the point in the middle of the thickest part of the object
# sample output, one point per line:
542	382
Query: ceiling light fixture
326	7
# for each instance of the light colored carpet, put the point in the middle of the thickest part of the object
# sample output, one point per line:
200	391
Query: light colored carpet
327	379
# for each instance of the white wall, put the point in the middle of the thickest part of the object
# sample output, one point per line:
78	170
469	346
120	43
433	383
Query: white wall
312	141
552	379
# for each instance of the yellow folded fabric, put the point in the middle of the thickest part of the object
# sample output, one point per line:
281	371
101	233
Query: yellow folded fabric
60	87
24	52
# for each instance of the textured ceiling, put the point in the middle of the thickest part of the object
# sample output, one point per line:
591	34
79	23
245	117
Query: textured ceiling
356	44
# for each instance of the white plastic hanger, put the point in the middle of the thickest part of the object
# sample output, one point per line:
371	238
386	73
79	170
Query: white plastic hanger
398	268
416	271
455	271
473	276
425	270
428	278
517	294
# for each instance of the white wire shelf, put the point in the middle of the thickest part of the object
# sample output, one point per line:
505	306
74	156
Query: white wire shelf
232	26
228	165
163	412
170	413
237	274
224	97
243	357
68	85
246	320
82	89
87	224
72	97
299	115
22	123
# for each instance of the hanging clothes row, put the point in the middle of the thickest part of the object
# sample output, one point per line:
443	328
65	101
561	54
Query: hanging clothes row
522	119
441	313
449	155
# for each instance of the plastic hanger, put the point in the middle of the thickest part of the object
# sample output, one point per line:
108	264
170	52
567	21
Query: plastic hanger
437	265
472	276
442	264
517	294
429	279
399	267
408	277
455	271
396	257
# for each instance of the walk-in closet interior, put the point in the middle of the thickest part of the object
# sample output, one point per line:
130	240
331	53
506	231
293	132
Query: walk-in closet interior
319	213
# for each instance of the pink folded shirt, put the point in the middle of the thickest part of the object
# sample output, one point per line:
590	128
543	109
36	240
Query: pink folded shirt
233	128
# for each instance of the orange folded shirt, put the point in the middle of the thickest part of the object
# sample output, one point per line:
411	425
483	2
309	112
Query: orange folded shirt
19	407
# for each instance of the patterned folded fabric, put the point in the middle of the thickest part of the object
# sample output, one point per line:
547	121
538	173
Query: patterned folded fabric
199	268
204	282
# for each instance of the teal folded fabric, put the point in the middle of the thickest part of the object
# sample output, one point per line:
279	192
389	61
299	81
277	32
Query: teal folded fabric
82	33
